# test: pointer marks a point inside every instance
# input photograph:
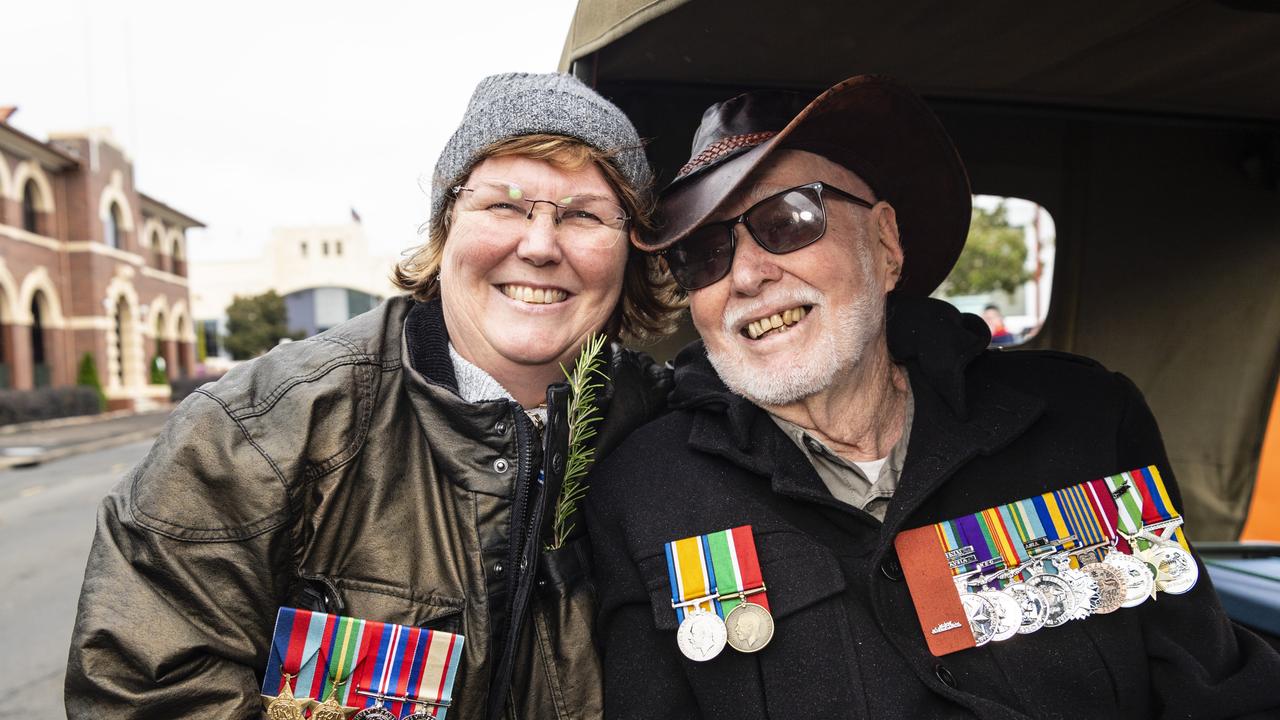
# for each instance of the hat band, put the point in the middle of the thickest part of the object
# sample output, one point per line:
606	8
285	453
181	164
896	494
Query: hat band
723	146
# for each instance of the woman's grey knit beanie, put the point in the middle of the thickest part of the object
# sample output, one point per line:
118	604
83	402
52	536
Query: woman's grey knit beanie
513	104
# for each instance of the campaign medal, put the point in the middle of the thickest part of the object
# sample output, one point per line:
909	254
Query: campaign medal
1008	614
285	706
701	635
981	613
377	712
412	671
1059	595
1176	569
1139	581
740	589
1035	608
1111	586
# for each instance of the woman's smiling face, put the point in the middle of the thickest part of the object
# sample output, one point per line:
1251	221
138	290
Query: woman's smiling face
521	294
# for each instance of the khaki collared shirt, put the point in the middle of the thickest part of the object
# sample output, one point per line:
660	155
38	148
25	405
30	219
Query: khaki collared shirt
843	478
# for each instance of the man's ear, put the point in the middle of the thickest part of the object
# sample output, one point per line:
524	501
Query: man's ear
890	243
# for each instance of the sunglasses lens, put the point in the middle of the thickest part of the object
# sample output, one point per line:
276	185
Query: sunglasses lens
788	221
702	258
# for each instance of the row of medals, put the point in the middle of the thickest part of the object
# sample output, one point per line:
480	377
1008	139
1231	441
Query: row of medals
1046	599
702	635
287	707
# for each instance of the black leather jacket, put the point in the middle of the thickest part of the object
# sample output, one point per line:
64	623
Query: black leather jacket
343	473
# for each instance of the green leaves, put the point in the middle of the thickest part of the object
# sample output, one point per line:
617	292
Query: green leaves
587	377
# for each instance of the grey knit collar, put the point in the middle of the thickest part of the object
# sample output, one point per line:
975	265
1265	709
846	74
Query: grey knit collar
474	384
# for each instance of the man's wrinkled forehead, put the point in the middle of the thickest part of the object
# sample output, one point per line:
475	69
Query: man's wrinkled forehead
791	168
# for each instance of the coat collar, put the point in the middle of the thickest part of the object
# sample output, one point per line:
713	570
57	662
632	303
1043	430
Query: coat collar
958	414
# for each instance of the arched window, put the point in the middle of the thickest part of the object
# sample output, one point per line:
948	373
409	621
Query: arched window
111	226
30	214
39	358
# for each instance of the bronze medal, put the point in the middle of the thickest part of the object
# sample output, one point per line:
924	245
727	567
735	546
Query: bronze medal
285	706
331	710
748	627
1111	586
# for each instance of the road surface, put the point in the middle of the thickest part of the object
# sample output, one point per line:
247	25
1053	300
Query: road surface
46	524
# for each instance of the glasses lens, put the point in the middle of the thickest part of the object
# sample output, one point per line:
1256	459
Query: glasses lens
499	200
788	221
591	220
702	258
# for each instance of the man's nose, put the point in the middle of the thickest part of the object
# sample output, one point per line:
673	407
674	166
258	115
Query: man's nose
753	266
540	242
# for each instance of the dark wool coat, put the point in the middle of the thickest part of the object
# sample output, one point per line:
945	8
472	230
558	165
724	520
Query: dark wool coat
990	427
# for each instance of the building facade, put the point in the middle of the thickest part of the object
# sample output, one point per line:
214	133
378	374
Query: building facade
88	265
325	273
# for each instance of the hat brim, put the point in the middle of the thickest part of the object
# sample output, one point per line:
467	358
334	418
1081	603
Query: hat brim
886	135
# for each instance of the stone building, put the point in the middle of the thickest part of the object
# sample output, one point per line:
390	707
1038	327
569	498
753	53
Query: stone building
88	264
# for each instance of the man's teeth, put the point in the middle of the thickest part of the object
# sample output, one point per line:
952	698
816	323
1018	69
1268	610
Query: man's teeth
537	296
777	321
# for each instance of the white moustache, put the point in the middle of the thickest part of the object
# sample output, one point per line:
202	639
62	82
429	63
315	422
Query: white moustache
738	315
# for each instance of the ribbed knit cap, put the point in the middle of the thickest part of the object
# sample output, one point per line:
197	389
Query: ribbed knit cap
513	104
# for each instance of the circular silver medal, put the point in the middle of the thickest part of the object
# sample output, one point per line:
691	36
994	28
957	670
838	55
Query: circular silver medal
377	712
1176	569
748	627
1138	580
1086	592
422	713
701	636
1111	587
1008	614
981	613
1059	595
1035	608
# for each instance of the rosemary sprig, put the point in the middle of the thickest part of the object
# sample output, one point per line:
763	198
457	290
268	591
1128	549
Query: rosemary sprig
587	377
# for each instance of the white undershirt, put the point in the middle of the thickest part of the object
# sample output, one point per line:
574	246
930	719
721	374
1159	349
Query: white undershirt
871	469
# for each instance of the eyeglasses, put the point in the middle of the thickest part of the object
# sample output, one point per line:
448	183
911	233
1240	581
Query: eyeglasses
589	220
781	223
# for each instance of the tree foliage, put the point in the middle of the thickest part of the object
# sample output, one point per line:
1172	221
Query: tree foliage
994	256
87	375
255	324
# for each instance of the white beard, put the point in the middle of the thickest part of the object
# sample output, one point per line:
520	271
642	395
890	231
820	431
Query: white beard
814	368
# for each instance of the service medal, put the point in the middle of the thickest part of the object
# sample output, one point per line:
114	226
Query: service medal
1139	582
1084	589
420	713
285	706
331	710
701	636
1058	593
1035	608
981	614
1176	569
1008	617
1111	586
748	627
377	712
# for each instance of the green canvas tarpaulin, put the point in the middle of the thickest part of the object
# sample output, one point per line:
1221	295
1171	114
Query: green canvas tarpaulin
1150	131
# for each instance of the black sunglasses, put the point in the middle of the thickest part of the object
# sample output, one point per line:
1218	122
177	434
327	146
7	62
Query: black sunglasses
781	223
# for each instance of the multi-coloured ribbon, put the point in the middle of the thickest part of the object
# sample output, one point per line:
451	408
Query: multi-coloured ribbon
714	572
363	659
1143	501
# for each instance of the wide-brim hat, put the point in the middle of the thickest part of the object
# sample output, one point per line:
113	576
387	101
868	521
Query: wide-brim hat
875	127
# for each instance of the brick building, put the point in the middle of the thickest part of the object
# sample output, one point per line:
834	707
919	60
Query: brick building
88	265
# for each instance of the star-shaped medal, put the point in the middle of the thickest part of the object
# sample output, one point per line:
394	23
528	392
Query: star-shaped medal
285	706
331	710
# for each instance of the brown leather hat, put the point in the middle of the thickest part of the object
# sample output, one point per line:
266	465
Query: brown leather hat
875	127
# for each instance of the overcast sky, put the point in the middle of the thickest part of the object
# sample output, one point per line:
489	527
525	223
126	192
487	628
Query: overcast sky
251	115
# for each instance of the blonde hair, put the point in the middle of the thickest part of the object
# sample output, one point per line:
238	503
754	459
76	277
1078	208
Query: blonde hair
649	302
